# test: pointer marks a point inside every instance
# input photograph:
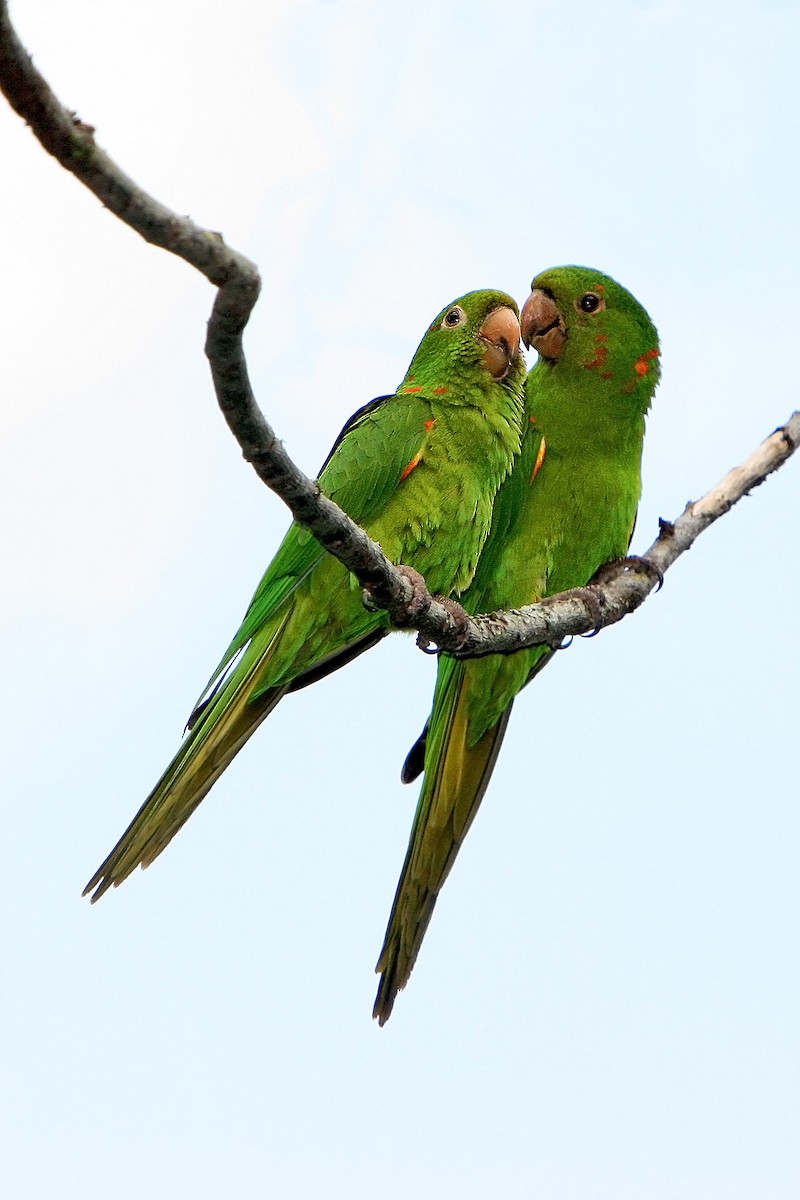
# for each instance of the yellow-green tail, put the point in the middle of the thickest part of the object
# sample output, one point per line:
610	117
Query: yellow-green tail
456	777
220	729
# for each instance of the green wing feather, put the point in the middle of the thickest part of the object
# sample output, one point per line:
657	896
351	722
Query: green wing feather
360	474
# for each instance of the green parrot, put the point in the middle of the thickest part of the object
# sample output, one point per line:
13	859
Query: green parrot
568	508
419	471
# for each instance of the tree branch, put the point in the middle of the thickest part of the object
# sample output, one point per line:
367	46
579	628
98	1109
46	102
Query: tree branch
625	585
623	588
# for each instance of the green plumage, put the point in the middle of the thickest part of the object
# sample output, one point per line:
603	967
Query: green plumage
568	508
419	470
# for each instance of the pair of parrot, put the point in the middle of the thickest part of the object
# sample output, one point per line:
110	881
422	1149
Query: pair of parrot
499	490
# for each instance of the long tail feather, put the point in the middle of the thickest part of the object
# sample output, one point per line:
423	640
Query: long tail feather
457	775
216	736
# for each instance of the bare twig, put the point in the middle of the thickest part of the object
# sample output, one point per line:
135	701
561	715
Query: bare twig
623	589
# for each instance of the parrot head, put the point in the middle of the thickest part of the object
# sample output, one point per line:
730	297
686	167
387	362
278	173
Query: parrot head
580	320
475	338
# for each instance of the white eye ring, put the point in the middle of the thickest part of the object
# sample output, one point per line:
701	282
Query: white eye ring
454	317
590	302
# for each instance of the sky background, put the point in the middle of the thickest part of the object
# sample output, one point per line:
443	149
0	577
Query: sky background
606	1004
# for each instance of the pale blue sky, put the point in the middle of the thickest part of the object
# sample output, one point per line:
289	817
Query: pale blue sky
606	1004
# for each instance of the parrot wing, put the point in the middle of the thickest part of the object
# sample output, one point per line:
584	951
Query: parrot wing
362	472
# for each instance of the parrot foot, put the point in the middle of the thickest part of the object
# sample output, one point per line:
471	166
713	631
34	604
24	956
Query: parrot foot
420	599
633	562
415	607
458	616
590	598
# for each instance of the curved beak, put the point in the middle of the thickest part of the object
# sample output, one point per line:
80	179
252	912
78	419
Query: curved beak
500	333
542	325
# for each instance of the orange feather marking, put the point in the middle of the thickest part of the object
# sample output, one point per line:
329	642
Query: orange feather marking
537	466
416	460
430	424
642	365
601	354
440	391
412	389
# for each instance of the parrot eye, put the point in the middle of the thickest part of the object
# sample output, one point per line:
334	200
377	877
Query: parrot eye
590	302
453	317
